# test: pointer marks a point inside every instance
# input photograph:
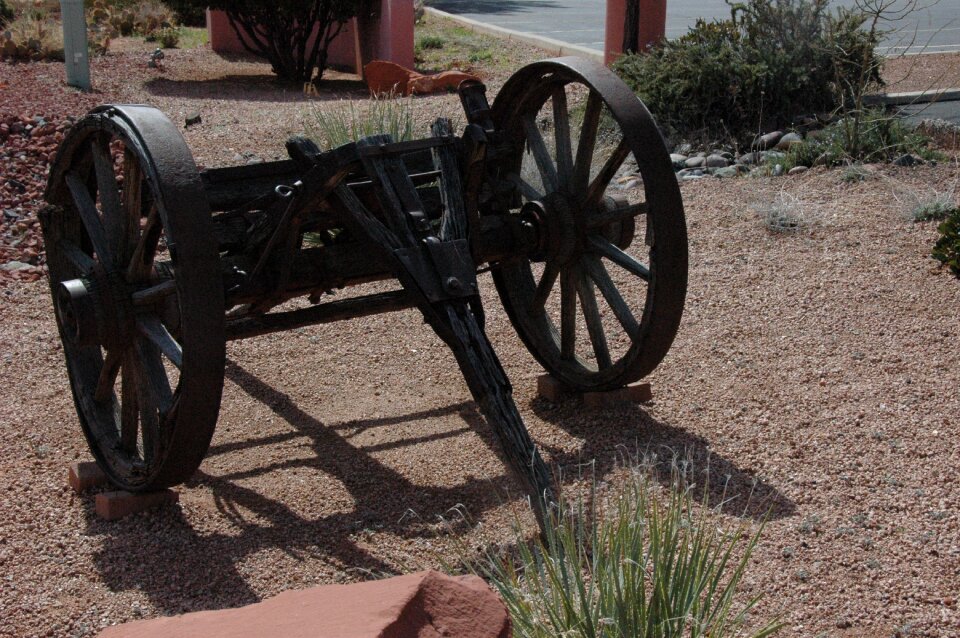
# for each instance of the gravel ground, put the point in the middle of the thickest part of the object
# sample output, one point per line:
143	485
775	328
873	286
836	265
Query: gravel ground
815	373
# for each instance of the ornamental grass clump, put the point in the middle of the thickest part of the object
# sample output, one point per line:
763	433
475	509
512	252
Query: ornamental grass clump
639	565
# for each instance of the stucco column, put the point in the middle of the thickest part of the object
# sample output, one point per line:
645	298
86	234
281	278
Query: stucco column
653	25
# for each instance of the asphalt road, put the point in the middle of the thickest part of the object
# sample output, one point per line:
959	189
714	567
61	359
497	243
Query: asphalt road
934	28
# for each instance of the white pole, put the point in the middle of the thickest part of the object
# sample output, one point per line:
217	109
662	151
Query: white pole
75	43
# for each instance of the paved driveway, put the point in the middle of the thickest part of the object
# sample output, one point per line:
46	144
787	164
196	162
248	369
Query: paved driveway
934	28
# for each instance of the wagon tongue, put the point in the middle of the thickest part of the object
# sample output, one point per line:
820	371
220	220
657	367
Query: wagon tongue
435	267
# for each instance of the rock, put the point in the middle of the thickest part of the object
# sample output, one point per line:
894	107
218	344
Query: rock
716	161
749	158
695	162
772	156
788	140
14	266
679	160
907	160
690	172
767	141
777	170
193	118
423	604
797	170
384	77
634	183
727	171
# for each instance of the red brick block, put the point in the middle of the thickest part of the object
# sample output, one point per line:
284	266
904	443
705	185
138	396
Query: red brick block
550	389
83	475
633	393
114	505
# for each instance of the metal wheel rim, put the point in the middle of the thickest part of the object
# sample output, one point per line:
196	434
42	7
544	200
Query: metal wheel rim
525	93
179	430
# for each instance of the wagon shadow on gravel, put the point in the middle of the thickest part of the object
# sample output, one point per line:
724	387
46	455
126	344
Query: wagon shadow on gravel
182	569
626	433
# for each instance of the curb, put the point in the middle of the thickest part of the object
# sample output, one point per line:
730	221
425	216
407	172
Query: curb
554	47
912	97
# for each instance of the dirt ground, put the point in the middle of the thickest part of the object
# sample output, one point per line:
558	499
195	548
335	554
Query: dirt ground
815	377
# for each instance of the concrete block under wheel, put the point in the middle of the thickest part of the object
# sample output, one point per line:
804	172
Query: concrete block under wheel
554	391
115	505
633	393
83	475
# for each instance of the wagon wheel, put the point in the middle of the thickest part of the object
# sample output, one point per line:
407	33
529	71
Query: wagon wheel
571	126
135	278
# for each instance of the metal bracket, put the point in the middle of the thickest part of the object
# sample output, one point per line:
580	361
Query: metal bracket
443	270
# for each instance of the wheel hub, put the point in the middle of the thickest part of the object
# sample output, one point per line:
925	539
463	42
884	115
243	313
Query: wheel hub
556	227
95	310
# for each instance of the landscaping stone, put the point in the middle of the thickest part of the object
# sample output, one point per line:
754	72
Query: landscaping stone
193	118
425	604
695	162
13	266
749	158
797	170
716	161
678	160
907	160
772	156
767	141
788	140
727	171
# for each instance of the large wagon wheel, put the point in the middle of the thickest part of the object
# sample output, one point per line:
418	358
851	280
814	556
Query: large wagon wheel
135	278
572	125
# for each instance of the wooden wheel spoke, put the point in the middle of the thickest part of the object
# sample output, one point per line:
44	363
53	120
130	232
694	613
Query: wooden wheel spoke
591	314
561	133
80	260
141	259
587	142
617	256
601	278
154	293
568	313
87	209
132	195
599	184
129	405
155	394
153	329
537	146
108	376
604	218
114	219
550	274
526	189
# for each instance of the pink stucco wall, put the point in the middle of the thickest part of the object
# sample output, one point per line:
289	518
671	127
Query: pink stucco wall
653	25
388	37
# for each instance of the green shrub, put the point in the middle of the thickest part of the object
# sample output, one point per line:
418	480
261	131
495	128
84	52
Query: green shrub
6	13
188	13
274	30
947	248
430	42
32	36
771	61
168	37
870	136
643	568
